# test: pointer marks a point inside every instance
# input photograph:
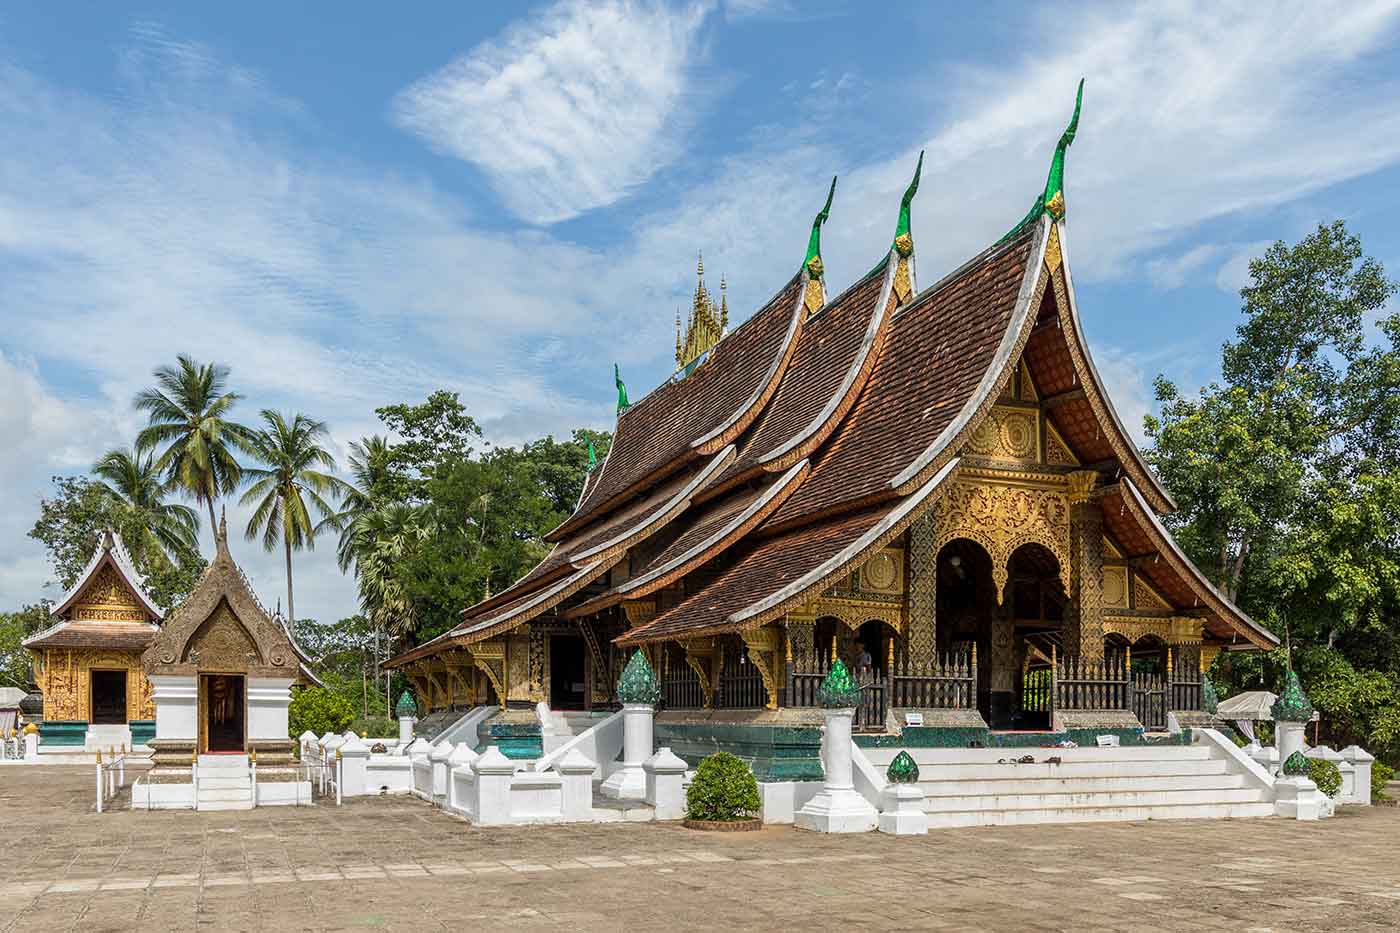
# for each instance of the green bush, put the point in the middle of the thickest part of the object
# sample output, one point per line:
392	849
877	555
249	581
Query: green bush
1325	775
1381	773
724	789
320	711
375	727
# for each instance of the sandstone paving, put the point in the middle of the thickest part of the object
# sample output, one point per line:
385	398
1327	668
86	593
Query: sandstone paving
397	863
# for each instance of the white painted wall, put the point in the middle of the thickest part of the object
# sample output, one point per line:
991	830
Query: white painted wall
177	707
268	699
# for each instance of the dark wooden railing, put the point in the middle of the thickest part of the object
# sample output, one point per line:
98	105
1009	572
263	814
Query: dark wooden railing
950	683
1149	700
740	683
680	687
1091	684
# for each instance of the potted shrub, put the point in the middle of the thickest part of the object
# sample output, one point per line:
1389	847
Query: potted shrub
723	796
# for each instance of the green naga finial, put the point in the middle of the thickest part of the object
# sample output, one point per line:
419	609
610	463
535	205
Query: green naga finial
839	690
813	262
1292	705
638	683
1297	764
406	706
622	403
592	457
903	770
903	239
1053	200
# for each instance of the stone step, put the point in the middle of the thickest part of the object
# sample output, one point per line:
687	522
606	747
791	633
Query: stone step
1091	814
967	756
221	781
223	761
224	793
1070	769
1113	800
226	804
610	810
1082	785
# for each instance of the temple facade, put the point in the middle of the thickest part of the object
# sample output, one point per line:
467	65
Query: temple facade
929	482
87	664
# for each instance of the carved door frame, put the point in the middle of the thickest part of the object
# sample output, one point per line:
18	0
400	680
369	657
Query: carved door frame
202	727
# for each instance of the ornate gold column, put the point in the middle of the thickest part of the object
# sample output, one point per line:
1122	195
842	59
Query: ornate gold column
921	634
801	640
1084	620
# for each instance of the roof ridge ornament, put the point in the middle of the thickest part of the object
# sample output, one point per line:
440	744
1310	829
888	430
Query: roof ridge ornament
1052	200
903	245
622	403
705	326
814	296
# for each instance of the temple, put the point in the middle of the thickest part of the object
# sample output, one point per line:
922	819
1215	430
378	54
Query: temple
87	664
927	481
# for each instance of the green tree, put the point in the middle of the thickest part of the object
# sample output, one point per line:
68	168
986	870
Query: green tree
15	627
291	451
188	417
71	522
134	484
1287	474
318	710
432	436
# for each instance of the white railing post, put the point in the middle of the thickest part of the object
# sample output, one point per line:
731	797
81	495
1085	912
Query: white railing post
121	768
194	778
99	782
339	777
253	773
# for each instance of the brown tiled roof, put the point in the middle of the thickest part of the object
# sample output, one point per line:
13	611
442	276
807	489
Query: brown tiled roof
828	346
659	433
93	634
772	575
1132	521
936	354
698	538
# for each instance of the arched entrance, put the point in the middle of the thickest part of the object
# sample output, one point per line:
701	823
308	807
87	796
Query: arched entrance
968	613
1036	598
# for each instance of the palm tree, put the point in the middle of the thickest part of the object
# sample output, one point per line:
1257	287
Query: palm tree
188	412
291	451
368	462
376	542
133	482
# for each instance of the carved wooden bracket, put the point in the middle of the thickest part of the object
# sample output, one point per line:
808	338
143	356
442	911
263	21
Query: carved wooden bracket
764	646
700	655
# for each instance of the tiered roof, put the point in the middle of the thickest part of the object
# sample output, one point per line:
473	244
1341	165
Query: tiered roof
110	569
818	430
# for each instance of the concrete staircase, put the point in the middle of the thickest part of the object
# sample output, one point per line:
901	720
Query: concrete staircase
225	783
559	726
983	787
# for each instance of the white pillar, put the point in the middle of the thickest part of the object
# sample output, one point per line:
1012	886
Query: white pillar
308	744
438	756
1288	737
406	730
837	808
177	707
629	782
31	746
902	810
1361	760
267	701
665	784
461	778
354	762
576	786
493	774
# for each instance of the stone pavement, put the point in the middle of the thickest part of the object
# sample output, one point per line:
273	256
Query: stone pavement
395	863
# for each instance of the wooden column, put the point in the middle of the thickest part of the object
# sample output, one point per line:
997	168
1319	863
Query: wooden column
921	628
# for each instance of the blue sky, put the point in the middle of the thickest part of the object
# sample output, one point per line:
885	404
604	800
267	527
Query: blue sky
354	204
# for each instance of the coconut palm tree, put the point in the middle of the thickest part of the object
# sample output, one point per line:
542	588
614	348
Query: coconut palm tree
133	482
291	450
188	416
369	469
376	542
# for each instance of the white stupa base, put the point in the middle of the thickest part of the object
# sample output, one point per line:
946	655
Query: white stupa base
837	810
626	783
903	811
1297	798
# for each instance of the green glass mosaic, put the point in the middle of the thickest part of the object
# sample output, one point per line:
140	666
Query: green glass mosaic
903	770
638	683
405	706
839	690
1297	764
1292	705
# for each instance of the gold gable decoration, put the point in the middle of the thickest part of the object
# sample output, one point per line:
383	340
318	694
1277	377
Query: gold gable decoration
108	599
707	323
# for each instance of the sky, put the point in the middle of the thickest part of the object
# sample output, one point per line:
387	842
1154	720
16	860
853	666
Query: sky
355	204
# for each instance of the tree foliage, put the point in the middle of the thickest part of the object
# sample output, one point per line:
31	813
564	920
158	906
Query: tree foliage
318	710
1287	474
15	627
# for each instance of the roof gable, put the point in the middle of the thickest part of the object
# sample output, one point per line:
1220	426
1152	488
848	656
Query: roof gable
109	588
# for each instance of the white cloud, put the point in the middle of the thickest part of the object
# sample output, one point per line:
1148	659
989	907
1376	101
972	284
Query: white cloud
1233	274
1176	271
1129	386
568	110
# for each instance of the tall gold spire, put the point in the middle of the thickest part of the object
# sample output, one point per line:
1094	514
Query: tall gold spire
707	322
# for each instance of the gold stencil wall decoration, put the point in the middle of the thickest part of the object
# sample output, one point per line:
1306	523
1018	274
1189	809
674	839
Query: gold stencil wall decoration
1001	518
1006	434
884	572
1144	597
108	599
1115	587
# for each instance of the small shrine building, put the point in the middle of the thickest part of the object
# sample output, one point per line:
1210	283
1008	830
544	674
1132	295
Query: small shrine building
87	664
928	481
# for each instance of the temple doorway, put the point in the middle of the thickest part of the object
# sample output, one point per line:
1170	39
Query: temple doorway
109	697
568	672
221	696
1036	600
968	612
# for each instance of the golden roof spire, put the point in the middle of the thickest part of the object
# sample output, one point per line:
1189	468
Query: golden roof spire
707	321
723	306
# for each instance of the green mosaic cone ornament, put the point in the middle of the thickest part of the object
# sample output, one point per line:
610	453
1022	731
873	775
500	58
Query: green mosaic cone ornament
406	707
638	683
1210	700
1292	705
903	770
1297	765
839	690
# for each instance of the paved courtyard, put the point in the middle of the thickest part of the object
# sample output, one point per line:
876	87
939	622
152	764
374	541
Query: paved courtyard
396	863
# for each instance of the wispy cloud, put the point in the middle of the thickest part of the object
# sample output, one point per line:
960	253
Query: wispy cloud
569	110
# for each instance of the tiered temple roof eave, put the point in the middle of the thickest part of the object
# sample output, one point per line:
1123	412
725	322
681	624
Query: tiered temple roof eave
1224	619
745	596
